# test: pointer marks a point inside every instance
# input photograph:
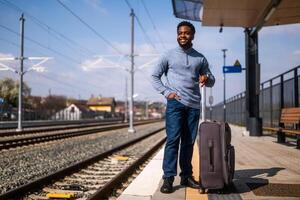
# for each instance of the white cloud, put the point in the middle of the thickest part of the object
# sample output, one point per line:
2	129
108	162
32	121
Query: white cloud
96	4
296	53
144	57
11	64
5	55
285	30
125	48
105	71
102	62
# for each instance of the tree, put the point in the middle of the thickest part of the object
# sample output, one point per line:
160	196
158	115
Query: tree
9	91
54	102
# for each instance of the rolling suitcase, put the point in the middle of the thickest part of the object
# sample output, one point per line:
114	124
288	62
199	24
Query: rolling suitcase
217	156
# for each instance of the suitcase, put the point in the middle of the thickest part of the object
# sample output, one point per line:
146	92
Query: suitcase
217	156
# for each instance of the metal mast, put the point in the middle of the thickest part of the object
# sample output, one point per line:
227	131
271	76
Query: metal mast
131	128
22	20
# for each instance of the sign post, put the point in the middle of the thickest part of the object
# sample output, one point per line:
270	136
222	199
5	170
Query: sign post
236	68
210	101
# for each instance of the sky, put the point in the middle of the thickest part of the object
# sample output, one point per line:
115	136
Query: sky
93	58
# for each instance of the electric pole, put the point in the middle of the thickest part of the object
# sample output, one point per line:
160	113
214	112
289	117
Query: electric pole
131	128
21	73
22	20
146	110
126	102
224	86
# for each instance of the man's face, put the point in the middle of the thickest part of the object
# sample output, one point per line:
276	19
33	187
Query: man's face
185	36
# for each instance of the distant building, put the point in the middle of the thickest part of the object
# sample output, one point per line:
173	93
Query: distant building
156	110
120	107
76	102
74	112
144	109
106	104
35	101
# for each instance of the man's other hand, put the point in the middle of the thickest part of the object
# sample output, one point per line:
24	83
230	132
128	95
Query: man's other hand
173	95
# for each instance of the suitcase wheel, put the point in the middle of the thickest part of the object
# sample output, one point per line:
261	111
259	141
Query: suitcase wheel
202	191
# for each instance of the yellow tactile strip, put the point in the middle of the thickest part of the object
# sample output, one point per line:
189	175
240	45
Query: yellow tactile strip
193	194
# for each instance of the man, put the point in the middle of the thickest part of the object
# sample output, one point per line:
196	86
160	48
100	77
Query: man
184	68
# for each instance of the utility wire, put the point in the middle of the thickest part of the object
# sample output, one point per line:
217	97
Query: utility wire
89	27
61	82
145	34
17	45
141	26
45	76
154	27
47	27
128	4
9	42
41	45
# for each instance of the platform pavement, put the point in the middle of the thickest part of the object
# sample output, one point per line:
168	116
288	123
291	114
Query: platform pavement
258	160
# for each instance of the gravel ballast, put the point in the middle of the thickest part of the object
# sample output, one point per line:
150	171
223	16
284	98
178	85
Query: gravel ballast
22	165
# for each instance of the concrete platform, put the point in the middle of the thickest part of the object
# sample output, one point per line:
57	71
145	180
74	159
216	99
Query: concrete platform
144	186
259	160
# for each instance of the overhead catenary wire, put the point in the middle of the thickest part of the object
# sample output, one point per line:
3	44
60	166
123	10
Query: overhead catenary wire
46	27
10	42
142	28
71	43
17	45
153	24
90	27
146	35
41	45
63	83
128	4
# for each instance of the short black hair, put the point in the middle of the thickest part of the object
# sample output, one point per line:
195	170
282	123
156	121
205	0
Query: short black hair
186	23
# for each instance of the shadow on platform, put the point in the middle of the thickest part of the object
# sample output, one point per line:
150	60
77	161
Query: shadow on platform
254	178
255	173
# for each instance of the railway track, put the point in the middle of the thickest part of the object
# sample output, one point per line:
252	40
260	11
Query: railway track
9	125
96	177
55	133
53	127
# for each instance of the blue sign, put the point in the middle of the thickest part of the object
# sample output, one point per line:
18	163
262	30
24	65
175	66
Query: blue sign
232	69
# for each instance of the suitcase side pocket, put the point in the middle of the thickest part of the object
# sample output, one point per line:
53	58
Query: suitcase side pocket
211	155
231	163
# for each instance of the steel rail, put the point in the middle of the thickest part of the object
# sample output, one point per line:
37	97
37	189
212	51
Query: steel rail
107	189
20	191
17	142
52	128
10	125
60	127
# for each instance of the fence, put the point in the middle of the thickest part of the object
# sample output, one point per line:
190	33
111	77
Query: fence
50	114
279	92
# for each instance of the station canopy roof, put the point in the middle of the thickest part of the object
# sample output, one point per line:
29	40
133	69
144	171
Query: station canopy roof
238	13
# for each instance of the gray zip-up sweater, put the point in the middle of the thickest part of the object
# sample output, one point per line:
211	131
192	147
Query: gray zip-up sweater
182	69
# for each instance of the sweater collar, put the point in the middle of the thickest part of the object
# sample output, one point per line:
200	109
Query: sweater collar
180	49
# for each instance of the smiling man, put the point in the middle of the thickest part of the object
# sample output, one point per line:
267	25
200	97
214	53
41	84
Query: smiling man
185	69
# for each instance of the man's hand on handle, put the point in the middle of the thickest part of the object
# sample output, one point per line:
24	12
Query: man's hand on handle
202	80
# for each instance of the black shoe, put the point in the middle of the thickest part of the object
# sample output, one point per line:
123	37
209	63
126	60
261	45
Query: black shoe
167	186
189	182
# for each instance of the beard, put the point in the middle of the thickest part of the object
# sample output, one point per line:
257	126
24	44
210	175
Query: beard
185	45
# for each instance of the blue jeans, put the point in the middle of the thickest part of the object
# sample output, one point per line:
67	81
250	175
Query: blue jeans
181	128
